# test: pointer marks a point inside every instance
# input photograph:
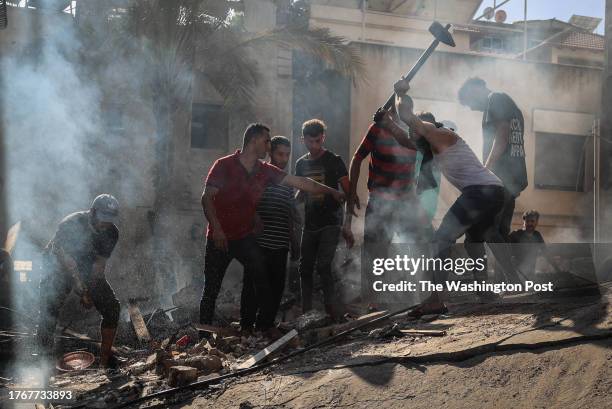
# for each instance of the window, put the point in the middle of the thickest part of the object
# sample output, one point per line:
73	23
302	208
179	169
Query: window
559	161
492	43
209	127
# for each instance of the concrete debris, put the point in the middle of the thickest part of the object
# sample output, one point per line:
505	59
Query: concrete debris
178	355
181	375
312	319
210	363
389	331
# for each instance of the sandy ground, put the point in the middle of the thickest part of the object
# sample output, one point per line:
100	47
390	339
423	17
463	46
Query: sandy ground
549	364
507	355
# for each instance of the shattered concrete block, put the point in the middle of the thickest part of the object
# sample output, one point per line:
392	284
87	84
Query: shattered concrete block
151	360
130	390
181	375
200	347
208	363
139	368
312	319
165	343
213	363
161	357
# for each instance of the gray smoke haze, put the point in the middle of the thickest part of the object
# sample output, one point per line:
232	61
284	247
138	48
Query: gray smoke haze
62	148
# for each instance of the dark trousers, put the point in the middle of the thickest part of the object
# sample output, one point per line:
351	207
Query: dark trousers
383	219
475	214
276	271
506	214
317	251
249	254
55	286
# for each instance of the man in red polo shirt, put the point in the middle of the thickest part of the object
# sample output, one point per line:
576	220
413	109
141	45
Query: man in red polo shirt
233	188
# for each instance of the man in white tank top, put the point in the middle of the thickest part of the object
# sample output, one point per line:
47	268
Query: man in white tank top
482	193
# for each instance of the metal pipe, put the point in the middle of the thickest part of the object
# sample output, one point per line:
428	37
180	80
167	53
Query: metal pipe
525	32
417	66
596	161
364	7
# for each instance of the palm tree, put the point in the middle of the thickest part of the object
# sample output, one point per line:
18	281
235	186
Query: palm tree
168	34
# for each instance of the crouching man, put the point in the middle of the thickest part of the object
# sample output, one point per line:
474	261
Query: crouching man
75	258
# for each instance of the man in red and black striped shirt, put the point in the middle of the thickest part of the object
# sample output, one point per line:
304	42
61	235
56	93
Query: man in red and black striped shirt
393	204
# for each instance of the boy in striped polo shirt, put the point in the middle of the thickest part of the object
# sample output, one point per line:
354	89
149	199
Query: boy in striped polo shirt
279	221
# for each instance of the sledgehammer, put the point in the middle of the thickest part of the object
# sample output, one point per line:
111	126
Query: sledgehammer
441	35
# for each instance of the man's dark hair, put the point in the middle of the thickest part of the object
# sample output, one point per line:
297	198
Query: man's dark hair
427	117
531	214
313	127
277	141
252	131
464	93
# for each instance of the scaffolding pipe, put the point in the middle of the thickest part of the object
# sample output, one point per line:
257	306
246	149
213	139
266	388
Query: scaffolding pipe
525	32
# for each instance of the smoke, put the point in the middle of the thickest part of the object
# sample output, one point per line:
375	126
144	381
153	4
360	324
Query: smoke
553	98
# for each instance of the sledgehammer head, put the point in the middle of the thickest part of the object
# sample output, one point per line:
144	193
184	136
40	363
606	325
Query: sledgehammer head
441	33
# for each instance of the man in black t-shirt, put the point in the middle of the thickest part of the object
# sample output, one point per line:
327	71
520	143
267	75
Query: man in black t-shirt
503	144
323	215
76	258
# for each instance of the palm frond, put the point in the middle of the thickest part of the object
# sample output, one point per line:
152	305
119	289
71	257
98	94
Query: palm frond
232	72
320	42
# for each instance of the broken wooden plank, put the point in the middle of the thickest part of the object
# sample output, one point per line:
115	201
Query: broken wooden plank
423	332
267	351
326	332
73	335
138	323
357	322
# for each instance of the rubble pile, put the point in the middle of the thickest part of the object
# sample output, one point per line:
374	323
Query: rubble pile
180	354
174	362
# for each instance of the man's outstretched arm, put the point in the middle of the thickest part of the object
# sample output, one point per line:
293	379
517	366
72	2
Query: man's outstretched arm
310	186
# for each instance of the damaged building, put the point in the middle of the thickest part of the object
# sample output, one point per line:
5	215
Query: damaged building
89	106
